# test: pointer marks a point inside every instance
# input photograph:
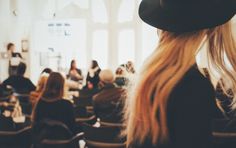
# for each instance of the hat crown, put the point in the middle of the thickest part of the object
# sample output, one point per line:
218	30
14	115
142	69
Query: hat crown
183	3
186	15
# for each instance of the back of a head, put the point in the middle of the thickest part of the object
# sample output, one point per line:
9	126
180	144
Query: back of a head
42	83
54	87
21	69
47	71
107	76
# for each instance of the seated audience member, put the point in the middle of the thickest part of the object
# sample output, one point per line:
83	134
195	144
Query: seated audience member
108	103
11	114
75	74
19	83
130	67
92	79
121	77
52	106
35	95
4	92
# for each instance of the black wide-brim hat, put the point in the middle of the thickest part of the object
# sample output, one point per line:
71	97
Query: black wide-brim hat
186	15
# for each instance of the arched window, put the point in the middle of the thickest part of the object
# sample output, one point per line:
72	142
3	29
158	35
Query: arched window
149	40
99	11
126	11
100	47
126	43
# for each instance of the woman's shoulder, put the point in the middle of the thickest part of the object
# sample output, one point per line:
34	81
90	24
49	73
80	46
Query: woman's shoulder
194	79
193	87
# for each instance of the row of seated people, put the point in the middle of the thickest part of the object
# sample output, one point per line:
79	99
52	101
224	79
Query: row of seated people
22	85
107	102
52	106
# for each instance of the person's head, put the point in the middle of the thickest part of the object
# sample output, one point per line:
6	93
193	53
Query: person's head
94	64
10	47
47	71
130	67
21	69
42	83
54	87
130	64
120	71
73	65
106	76
174	56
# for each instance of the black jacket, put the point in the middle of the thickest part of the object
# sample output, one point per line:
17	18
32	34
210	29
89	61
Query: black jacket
59	110
190	110
108	103
20	84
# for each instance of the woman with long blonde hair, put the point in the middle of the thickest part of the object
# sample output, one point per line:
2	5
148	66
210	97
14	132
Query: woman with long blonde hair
173	104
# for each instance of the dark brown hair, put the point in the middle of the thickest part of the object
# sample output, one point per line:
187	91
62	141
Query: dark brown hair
54	88
71	64
94	64
9	45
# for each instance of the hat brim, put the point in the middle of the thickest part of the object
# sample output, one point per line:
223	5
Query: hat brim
185	19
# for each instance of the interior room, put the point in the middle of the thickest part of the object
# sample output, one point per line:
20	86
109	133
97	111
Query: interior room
105	59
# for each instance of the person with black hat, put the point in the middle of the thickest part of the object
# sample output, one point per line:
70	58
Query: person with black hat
174	104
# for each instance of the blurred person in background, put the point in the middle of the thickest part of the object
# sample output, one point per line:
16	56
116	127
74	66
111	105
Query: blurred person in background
75	74
53	106
18	82
92	78
121	79
109	102
15	59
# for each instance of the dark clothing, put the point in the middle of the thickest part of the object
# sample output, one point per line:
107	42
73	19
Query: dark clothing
20	84
16	54
59	110
108	103
121	81
190	111
93	80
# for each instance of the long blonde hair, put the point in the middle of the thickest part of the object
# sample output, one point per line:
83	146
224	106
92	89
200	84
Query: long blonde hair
174	56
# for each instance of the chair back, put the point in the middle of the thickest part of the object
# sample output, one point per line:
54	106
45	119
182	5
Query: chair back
16	139
7	124
107	136
50	130
224	133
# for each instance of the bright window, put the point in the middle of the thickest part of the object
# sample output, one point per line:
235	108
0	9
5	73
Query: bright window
149	40
126	49
82	3
100	47
99	11
126	11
